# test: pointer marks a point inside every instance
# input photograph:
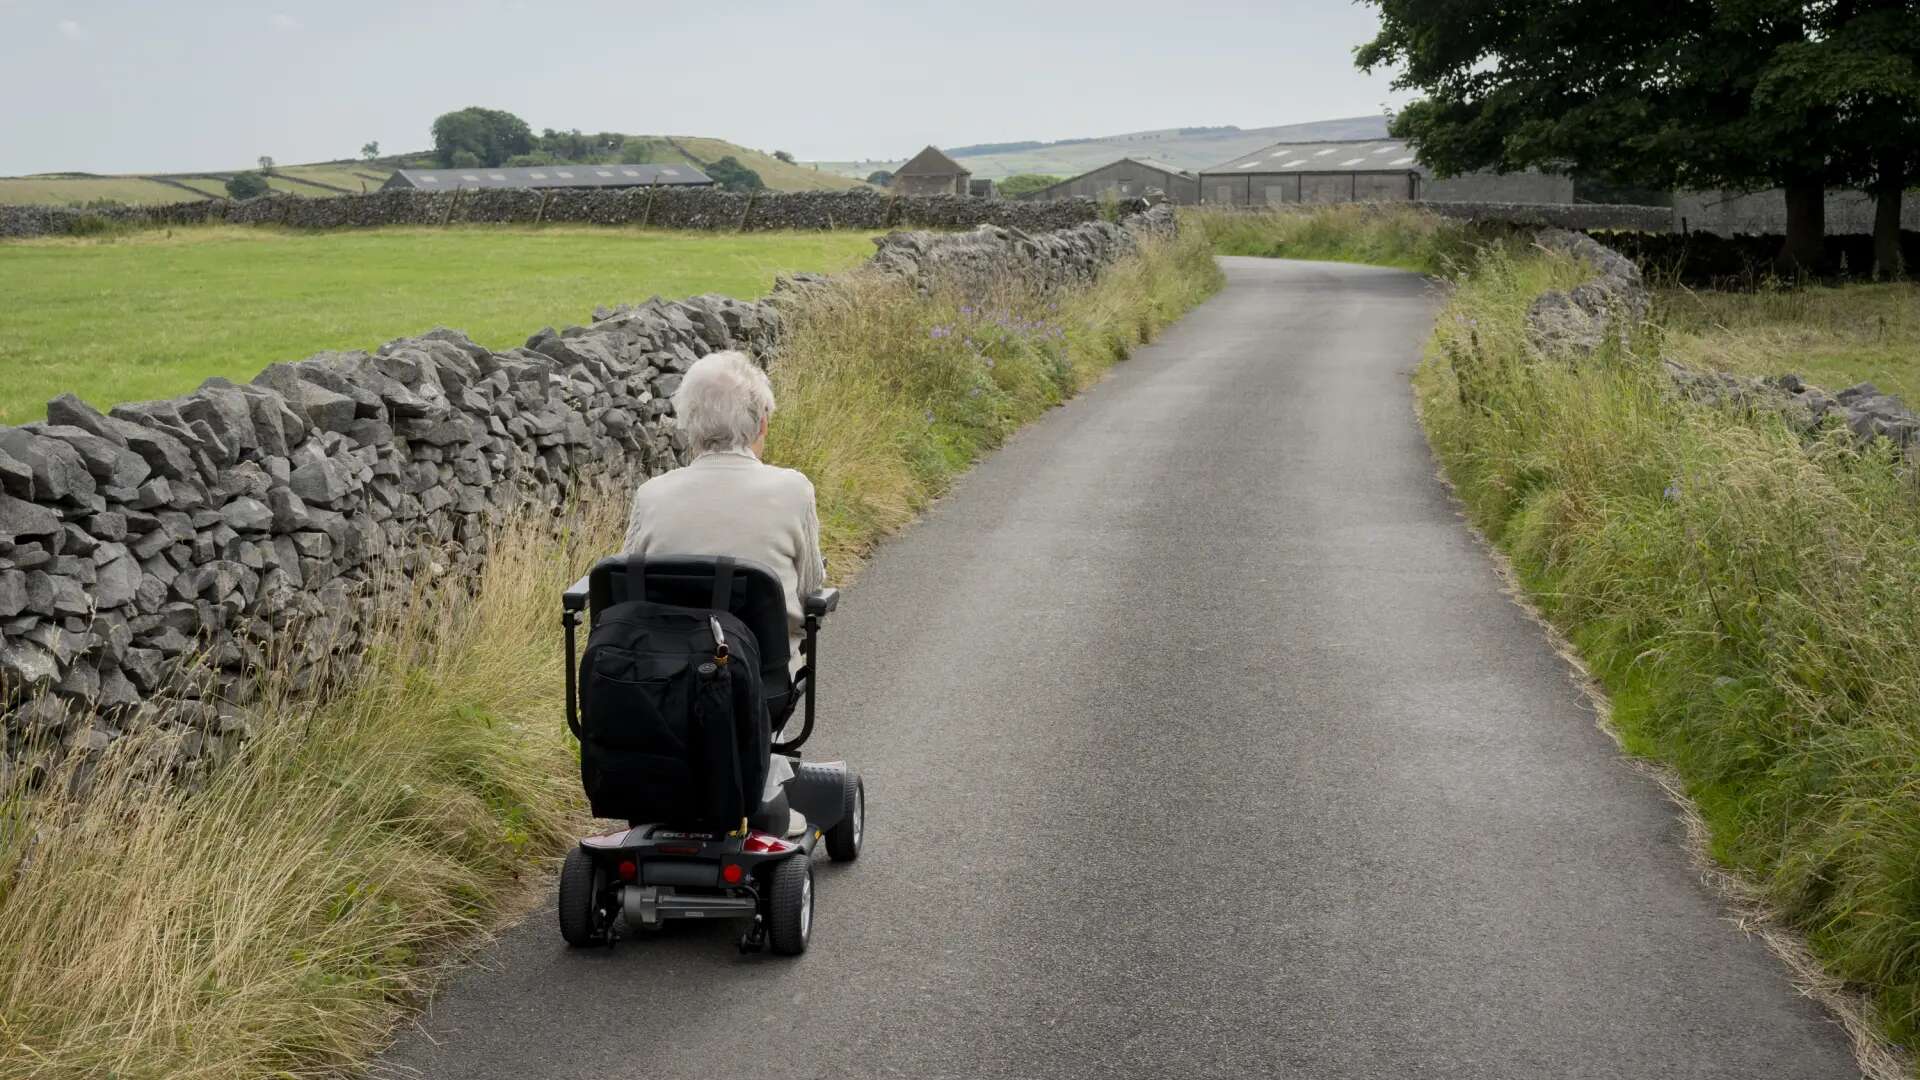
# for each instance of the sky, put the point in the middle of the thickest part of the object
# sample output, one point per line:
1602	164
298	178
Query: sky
183	85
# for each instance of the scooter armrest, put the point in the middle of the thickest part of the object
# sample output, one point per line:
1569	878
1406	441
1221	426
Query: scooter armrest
575	598
819	603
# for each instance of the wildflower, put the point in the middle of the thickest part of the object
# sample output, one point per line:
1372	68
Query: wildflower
1672	494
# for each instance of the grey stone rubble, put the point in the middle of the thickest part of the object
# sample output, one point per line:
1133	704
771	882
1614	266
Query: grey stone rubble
673	208
1580	320
156	559
1574	324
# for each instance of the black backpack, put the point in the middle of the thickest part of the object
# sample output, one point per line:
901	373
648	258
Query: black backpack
674	725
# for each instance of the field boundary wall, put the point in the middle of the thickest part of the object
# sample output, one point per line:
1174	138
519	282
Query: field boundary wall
156	560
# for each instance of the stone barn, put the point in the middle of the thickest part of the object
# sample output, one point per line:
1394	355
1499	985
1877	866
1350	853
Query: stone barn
931	172
549	176
1126	179
1365	170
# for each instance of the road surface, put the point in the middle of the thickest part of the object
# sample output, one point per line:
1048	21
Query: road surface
1200	741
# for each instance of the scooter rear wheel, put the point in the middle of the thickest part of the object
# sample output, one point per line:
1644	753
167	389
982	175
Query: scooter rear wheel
790	906
579	896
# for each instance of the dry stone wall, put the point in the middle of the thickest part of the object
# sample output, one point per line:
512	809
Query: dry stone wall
1573	324
667	208
156	559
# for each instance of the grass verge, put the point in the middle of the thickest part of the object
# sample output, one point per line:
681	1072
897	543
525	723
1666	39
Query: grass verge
1377	234
281	919
1746	598
150	313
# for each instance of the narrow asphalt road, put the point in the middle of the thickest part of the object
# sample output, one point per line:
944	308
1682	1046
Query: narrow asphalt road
1200	741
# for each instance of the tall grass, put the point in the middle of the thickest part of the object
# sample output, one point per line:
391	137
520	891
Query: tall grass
271	922
1751	600
1375	233
279	920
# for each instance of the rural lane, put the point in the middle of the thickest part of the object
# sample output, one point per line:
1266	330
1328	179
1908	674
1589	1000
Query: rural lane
1200	741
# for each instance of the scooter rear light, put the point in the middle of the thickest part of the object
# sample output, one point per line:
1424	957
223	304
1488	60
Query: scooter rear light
628	870
732	874
760	843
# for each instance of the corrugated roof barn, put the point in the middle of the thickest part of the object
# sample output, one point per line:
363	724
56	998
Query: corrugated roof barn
1364	170
550	176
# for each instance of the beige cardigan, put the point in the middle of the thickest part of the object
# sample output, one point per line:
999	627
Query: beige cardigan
729	503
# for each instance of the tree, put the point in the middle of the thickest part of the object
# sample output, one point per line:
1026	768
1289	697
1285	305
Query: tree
783	156
246	185
490	135
266	163
371	151
636	152
1649	93
733	176
1015	186
465	159
880	178
1862	61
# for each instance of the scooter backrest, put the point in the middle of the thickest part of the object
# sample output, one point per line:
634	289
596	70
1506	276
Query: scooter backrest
756	598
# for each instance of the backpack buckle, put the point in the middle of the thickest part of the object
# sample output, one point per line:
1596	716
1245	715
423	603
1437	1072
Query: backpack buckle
720	650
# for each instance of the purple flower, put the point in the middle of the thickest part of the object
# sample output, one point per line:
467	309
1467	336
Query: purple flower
940	332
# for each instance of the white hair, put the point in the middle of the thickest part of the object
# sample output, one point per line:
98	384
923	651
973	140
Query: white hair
722	401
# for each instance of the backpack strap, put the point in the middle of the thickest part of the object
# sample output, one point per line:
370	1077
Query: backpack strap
636	578
723	584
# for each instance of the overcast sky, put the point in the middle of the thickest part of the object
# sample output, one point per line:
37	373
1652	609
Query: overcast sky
179	85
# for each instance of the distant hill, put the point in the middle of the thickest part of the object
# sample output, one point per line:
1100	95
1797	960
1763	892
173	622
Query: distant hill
343	177
1187	148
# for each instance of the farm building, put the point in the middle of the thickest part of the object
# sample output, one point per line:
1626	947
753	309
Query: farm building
982	189
931	172
549	176
1367	170
1126	178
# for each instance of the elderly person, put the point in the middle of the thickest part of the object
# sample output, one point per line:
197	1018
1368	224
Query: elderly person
726	501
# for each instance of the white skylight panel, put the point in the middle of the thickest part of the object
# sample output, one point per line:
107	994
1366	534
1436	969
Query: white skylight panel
1323	153
1291	164
1387	149
603	172
497	176
1402	160
536	176
1246	165
429	179
1352	161
470	178
1279	153
629	172
564	175
669	172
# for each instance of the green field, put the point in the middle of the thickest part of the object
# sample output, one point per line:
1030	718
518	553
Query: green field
1834	337
152	314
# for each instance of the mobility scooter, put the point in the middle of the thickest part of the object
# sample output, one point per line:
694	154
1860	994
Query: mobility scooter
761	868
